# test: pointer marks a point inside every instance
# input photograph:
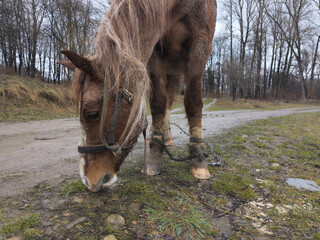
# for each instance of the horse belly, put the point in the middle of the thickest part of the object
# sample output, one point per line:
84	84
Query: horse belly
176	46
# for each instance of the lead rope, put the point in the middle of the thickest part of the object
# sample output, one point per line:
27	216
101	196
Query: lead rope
145	150
218	163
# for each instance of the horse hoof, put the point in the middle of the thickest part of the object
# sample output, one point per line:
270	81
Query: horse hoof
170	142
151	169
200	173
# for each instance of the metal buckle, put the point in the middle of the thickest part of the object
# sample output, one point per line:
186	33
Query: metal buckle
127	95
115	149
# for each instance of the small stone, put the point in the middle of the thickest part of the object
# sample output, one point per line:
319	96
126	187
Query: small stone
75	222
244	210
244	136
15	238
110	237
48	204
56	227
114	197
116	219
229	204
135	207
48	224
134	222
251	186
169	237
223	225
78	200
155	233
258	170
269	205
266	191
275	165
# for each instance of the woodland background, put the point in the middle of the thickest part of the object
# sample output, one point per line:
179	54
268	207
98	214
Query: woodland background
263	49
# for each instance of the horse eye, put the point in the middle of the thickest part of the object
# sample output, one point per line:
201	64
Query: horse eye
92	115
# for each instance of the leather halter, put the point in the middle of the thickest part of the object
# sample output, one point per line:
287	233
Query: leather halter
109	144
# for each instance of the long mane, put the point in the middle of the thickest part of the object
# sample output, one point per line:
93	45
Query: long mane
119	47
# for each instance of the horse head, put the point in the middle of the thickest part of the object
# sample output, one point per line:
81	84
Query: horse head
103	110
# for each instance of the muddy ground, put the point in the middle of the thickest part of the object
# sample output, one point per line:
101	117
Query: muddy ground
41	196
34	152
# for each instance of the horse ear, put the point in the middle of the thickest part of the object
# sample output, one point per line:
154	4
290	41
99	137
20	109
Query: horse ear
80	62
68	64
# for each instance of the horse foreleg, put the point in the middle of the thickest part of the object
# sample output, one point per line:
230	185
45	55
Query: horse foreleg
193	105
158	103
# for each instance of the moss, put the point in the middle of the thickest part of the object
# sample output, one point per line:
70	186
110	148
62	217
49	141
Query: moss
21	225
73	187
235	185
260	145
183	220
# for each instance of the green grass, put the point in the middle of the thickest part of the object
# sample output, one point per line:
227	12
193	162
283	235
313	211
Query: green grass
23	224
183	220
72	188
294	143
224	104
207	101
234	185
175	204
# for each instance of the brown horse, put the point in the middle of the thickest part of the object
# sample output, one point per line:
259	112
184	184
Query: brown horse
143	48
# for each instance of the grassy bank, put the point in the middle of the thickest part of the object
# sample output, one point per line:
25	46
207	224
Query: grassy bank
247	197
24	99
251	104
226	104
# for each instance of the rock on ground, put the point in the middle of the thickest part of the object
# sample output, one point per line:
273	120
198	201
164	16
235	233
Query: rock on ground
110	237
116	219
76	222
304	184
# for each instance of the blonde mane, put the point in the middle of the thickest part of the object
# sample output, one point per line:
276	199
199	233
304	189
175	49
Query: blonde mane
120	47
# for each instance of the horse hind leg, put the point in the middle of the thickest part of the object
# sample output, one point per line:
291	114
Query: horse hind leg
171	88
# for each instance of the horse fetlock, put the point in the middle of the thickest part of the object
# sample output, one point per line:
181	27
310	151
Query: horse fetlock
196	148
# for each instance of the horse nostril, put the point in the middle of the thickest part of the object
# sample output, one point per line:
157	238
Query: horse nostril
106	178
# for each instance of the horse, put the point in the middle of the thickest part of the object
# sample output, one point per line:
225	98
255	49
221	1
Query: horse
142	49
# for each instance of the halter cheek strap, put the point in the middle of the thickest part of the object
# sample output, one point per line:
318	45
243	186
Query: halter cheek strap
109	143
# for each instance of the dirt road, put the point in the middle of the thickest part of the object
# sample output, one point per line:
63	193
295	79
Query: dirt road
34	152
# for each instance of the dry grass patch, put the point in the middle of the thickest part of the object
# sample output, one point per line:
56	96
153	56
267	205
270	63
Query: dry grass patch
24	99
251	104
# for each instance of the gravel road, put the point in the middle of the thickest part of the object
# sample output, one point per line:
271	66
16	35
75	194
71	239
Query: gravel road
34	152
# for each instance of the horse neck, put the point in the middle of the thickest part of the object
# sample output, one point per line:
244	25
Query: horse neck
131	29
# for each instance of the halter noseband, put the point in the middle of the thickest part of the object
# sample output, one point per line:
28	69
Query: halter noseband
109	144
